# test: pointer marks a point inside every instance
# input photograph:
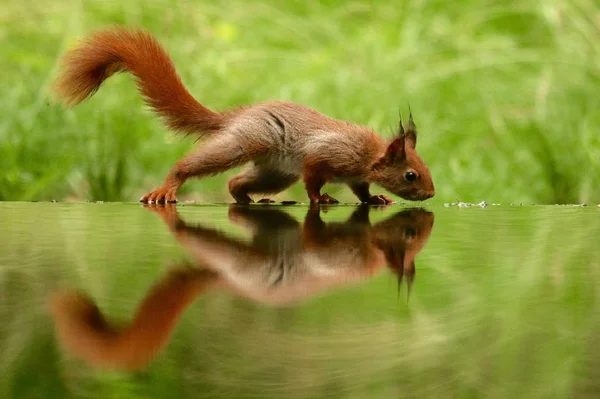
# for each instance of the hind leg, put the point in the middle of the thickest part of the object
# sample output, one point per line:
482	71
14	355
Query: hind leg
215	156
259	179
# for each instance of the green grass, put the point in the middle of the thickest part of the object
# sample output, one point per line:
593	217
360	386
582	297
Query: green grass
505	94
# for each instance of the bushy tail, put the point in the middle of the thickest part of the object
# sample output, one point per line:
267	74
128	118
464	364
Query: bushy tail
85	333
122	50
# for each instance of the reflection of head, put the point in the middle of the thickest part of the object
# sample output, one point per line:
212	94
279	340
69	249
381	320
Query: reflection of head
401	237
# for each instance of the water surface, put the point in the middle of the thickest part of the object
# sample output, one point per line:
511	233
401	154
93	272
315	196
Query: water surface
127	301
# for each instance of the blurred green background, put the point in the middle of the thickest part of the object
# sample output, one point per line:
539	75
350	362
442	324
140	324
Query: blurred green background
505	93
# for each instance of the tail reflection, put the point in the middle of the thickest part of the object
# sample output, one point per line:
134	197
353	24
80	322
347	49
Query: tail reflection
285	263
83	331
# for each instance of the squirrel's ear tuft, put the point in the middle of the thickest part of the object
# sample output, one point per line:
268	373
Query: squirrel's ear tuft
400	128
409	273
411	131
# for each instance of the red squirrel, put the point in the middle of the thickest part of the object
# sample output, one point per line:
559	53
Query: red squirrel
285	263
281	141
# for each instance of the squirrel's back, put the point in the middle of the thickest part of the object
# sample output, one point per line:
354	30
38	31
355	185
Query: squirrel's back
138	52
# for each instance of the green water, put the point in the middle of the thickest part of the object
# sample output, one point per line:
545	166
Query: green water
126	301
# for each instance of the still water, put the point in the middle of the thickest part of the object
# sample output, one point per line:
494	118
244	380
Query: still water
270	301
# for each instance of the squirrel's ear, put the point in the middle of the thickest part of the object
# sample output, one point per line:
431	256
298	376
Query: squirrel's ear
395	151
411	132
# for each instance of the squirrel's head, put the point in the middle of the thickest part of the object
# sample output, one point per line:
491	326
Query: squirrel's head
401	238
406	232
401	170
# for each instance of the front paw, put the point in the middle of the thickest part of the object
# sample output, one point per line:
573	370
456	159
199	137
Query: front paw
379	200
162	195
325	199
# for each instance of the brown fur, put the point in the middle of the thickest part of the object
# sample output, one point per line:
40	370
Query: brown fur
281	140
284	263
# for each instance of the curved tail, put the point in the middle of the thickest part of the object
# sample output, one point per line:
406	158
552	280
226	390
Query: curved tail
86	334
122	50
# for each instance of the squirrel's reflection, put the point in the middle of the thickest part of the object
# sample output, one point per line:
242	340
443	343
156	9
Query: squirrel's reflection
284	263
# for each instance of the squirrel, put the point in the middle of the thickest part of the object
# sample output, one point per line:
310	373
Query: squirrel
284	264
280	141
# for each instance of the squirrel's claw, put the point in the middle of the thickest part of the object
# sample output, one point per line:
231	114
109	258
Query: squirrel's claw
380	200
326	199
160	196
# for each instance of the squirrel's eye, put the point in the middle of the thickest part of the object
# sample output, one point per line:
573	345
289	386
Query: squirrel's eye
409	233
410	176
